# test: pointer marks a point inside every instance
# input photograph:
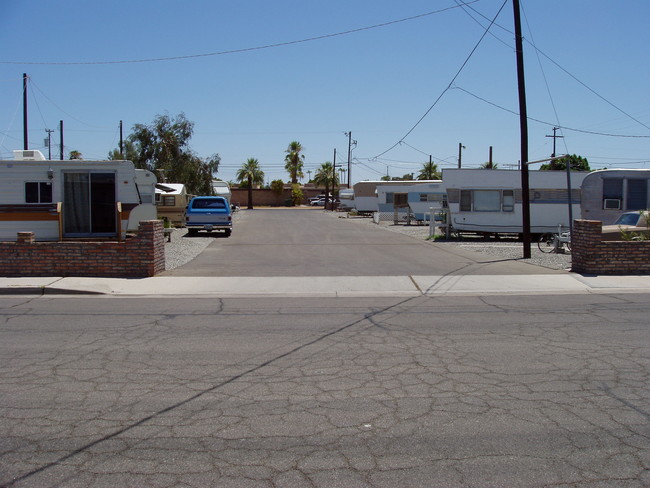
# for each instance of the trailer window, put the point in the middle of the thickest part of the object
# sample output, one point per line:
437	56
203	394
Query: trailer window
612	190
38	192
637	194
466	200
487	200
508	204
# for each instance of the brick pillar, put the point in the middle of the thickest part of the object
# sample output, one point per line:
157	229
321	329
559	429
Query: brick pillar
585	244
25	238
152	239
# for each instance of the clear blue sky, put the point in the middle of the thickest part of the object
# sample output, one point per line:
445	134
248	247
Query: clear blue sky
593	75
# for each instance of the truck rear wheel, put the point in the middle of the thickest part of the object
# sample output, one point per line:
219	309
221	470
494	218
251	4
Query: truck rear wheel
228	232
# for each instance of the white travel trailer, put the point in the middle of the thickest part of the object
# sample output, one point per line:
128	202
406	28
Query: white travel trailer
73	199
221	189
490	200
365	193
608	193
412	200
346	199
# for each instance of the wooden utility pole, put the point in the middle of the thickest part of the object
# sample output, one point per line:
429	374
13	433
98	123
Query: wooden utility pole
25	136
523	123
333	182
554	136
61	136
349	134
121	141
49	143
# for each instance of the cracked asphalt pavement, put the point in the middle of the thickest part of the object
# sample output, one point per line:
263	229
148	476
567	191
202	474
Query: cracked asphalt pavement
535	391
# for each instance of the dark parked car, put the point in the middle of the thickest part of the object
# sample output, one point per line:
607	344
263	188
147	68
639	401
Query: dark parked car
627	222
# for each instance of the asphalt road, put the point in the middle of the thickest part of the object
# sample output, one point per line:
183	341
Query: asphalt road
491	391
488	390
307	242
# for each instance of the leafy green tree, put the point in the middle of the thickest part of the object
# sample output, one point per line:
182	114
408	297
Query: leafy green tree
326	176
129	154
296	194
75	155
277	187
251	172
163	146
294	161
429	171
577	163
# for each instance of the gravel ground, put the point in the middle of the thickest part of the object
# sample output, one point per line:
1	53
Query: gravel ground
506	248
183	249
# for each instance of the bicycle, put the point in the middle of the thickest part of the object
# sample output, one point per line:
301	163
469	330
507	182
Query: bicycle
555	242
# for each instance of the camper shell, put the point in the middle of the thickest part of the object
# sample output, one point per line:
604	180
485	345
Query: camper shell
489	201
73	199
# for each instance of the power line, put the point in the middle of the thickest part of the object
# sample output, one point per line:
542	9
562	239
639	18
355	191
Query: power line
539	51
448	86
549	123
243	50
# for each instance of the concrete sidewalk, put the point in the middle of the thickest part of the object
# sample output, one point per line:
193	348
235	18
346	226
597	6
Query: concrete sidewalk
329	286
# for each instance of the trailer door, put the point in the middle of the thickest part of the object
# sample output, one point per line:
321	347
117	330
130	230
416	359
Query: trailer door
89	204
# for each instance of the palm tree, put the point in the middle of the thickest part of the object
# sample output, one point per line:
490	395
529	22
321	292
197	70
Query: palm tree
429	171
489	165
253	174
294	161
325	176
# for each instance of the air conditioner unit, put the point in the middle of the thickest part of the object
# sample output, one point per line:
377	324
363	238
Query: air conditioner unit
612	204
28	155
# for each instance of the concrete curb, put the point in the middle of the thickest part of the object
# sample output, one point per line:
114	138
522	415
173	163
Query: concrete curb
328	286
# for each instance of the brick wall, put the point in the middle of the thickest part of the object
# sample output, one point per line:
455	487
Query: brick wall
136	257
266	197
591	255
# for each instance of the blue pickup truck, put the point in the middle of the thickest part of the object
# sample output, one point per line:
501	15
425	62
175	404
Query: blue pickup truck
208	213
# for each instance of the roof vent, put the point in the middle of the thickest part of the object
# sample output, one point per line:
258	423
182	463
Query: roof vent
28	155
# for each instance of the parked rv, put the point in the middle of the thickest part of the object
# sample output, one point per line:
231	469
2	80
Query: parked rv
608	193
171	201
365	193
74	198
346	197
221	189
411	200
490	201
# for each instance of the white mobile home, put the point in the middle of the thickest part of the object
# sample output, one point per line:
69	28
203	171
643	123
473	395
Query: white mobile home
607	193
412	199
72	199
490	200
365	193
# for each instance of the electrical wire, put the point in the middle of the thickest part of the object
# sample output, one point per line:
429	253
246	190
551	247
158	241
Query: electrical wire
549	123
242	50
448	86
548	89
53	103
562	69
